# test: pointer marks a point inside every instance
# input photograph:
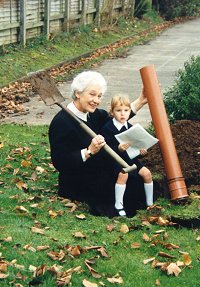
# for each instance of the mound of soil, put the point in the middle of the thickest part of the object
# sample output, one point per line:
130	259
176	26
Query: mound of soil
186	135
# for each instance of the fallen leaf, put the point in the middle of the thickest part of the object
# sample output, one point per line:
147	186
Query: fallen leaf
25	163
42	247
146	237
172	268
93	272
87	283
3	276
3	267
79	234
115	279
186	259
165	255
146	261
37	230
162	222
135	245
157	283
81	216
124	228
30	248
110	227
21	209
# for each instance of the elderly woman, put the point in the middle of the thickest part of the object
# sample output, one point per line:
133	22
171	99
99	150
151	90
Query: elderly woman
85	169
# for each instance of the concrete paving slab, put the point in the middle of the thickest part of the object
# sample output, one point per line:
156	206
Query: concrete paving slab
168	53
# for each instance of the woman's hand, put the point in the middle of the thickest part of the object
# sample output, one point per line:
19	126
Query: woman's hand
96	144
123	146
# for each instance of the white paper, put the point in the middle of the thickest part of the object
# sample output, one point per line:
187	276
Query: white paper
138	138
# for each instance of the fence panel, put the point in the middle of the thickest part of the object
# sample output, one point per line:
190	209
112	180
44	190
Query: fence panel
24	19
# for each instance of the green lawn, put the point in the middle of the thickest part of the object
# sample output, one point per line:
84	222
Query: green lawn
48	241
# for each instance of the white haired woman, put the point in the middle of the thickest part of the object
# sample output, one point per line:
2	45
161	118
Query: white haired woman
85	169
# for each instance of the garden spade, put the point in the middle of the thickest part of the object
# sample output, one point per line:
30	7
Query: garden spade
44	85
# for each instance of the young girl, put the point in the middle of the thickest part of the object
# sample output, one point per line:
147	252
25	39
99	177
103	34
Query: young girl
120	111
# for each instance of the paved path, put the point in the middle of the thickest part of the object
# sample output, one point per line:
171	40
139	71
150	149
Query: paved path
167	52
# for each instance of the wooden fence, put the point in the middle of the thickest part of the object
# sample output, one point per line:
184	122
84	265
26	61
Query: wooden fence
24	19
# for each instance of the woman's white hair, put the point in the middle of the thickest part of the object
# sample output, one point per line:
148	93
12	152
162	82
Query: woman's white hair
85	79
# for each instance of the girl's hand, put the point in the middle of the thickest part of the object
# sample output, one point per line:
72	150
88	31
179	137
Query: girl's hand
123	146
143	151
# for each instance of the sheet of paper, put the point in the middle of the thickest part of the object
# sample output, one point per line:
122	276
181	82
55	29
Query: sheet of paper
138	138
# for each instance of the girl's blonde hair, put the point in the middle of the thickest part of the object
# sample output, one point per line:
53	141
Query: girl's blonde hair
120	99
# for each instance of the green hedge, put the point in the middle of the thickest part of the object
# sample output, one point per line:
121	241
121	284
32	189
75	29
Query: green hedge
182	101
170	9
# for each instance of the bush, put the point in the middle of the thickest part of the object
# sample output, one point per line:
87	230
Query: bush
170	9
141	7
182	101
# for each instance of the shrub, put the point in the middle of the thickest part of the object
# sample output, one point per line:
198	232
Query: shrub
170	9
182	101
141	7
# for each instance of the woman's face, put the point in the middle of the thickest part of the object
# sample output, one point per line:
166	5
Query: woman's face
89	99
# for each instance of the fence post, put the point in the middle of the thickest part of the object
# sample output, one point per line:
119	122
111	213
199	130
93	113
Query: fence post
83	13
98	15
66	15
132	10
23	22
47	18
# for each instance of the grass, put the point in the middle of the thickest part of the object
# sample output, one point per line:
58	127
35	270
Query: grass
17	61
28	185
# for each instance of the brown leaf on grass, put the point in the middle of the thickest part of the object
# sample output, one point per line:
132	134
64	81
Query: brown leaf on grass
21	185
42	247
56	255
54	214
146	261
39	169
7	239
21	209
79	234
40	270
110	227
87	283
74	250
171	246
165	255
162	222
124	228
116	279
38	230
3	266
25	163
71	205
157	283
93	272
81	216
3	276
135	245
198	238
1	144
145	237
29	247
187	259
103	252
63	281
173	269
15	171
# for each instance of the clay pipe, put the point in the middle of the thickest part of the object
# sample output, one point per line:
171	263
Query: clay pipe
176	182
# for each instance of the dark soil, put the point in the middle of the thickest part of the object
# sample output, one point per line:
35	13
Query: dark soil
186	135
